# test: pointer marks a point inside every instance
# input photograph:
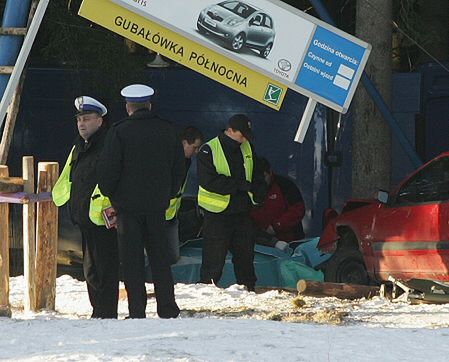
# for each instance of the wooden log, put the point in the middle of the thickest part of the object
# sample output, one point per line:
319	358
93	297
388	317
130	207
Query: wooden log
29	236
5	308
11	184
10	122
13	31
6	69
25	198
12	181
338	290
15	102
47	239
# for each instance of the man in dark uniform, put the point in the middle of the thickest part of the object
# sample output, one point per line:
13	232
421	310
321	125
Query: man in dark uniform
230	183
191	139
141	169
77	186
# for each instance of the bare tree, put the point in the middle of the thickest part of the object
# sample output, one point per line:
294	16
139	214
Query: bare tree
371	143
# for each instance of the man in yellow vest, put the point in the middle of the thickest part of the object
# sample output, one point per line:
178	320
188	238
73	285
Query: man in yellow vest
230	184
77	186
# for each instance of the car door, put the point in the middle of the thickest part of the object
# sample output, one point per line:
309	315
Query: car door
255	30
410	235
268	35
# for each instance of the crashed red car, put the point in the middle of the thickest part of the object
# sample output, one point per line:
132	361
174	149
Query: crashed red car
404	233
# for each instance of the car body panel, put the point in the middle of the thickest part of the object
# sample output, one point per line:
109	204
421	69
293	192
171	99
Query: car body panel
228	19
409	236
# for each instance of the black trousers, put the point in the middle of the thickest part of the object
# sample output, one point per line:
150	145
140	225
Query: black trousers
136	232
221	233
101	269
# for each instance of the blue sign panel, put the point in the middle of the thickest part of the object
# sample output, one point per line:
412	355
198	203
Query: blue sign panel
330	65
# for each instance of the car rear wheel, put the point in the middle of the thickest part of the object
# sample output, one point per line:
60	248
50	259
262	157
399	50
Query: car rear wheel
238	42
266	51
346	266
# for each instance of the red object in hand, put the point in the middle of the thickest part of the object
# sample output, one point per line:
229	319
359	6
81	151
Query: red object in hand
110	217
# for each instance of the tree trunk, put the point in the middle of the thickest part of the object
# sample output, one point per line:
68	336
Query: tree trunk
434	16
371	139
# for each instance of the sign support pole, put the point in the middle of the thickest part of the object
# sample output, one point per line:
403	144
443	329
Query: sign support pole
305	121
22	58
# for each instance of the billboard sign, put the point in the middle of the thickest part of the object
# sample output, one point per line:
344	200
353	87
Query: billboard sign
257	47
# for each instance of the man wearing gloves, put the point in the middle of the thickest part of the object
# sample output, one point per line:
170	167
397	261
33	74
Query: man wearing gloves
279	221
230	184
77	185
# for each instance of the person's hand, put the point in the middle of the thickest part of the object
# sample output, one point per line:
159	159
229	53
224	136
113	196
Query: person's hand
270	230
112	217
244	185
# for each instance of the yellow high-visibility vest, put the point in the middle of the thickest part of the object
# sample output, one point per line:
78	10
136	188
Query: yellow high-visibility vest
61	190
175	204
61	194
214	202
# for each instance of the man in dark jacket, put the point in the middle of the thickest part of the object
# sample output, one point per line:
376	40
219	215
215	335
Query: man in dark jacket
141	169
76	185
230	183
279	220
191	139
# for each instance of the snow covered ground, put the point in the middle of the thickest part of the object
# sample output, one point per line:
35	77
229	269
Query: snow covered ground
226	325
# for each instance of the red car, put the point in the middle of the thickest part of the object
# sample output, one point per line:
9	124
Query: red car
404	233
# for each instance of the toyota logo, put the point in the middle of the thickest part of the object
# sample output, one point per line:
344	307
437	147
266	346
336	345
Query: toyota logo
284	65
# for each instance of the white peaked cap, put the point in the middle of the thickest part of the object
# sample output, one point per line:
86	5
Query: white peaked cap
86	104
137	93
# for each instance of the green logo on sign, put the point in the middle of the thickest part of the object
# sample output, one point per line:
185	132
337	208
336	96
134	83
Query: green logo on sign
272	94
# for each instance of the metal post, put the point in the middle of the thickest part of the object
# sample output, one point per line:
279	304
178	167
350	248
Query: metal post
22	58
305	121
15	15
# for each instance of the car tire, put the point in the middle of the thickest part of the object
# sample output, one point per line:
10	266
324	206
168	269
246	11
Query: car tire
346	266
263	53
238	42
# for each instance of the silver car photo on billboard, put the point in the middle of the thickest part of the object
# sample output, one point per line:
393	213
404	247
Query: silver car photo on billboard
239	25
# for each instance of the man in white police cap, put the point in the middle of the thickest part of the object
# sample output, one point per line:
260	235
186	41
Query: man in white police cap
141	168
77	185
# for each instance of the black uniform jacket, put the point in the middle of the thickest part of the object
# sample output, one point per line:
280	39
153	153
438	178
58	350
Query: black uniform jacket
84	176
142	164
235	185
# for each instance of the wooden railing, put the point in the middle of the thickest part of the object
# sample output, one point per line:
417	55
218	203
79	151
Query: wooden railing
40	234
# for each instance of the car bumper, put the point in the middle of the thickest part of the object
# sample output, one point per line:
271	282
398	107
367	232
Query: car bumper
220	30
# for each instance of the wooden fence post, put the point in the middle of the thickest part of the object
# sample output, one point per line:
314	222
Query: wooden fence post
5	308
47	239
29	236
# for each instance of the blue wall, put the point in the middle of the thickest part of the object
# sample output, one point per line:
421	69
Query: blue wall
46	126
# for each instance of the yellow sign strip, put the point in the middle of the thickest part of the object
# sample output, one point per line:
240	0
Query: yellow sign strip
184	51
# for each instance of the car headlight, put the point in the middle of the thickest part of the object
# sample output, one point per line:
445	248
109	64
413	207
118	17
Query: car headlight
234	22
